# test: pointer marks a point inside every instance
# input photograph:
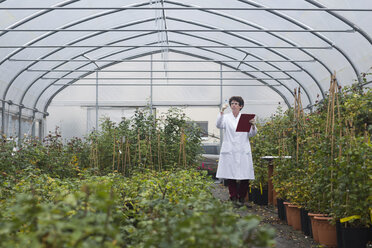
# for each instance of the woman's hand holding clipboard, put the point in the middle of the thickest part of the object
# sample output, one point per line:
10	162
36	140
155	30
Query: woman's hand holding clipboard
245	122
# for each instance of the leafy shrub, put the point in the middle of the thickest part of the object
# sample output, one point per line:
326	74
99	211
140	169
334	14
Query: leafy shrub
151	209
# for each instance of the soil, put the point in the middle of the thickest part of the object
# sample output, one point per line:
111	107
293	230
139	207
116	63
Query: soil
286	236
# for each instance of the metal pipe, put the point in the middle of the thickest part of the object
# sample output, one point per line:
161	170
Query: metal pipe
189	30
221	87
163	78
97	101
57	70
151	84
161	61
168	84
166	46
186	8
3	116
19	105
20	126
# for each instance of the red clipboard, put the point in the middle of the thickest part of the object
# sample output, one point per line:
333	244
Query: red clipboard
244	125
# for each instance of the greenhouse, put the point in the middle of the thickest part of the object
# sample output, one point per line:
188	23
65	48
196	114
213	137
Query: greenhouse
113	130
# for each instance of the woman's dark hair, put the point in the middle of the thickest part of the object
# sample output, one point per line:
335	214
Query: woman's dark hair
238	99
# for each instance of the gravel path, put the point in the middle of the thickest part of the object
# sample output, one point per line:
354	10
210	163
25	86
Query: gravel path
286	236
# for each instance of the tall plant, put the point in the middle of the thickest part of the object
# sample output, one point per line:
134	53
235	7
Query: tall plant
145	142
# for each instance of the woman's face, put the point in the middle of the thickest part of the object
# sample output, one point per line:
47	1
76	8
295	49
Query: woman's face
235	107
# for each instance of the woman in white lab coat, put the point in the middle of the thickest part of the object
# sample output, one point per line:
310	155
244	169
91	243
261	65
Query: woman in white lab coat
235	162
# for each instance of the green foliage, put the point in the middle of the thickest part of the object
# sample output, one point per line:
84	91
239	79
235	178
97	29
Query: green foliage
145	142
150	209
50	155
330	169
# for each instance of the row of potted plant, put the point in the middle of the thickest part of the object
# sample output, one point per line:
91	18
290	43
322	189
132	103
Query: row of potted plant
330	170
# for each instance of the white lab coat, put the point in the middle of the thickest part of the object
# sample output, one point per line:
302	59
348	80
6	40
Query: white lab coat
235	160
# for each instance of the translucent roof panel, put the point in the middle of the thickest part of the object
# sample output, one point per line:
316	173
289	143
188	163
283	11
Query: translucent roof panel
273	46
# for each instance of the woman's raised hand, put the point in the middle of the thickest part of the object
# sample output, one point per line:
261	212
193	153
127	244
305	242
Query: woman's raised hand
224	106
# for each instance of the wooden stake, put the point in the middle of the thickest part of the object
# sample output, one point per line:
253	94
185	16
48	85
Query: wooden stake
150	152
159	152
182	151
146	150
339	120
113	152
333	118
139	147
329	102
120	148
125	156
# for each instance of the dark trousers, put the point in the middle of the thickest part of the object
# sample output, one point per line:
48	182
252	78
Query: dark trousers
238	191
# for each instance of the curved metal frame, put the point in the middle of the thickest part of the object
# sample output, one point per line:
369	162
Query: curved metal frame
142	55
225	17
205	50
241	37
318	35
211	11
178	52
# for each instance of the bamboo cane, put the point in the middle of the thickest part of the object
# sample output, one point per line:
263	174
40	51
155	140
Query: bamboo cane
113	151
97	156
128	152
297	125
120	148
146	151
180	149
339	125
302	113
139	147
333	117
125	156
123	153
295	103
165	155
150	151
328	106
159	152
184	156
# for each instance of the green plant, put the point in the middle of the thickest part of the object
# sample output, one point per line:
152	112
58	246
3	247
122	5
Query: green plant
176	208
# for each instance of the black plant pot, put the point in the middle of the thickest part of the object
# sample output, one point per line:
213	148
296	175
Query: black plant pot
339	235
225	182
258	198
281	209
305	222
264	197
353	237
250	195
255	198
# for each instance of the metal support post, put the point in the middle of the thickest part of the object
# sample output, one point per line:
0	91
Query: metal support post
3	118
151	75
20	124
221	82
96	100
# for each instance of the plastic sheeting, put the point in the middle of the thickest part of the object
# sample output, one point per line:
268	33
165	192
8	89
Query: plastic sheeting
261	50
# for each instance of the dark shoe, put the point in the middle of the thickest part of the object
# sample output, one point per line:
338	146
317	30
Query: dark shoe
248	206
242	201
233	199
